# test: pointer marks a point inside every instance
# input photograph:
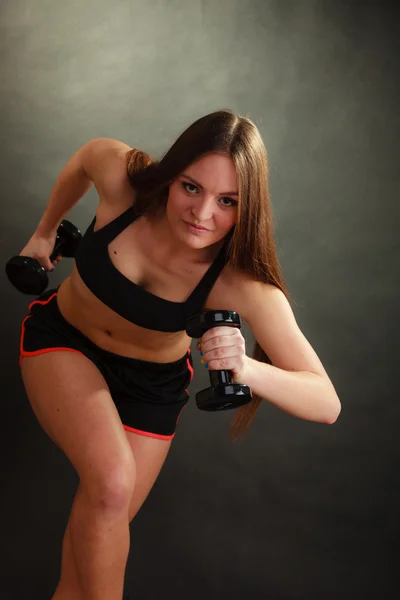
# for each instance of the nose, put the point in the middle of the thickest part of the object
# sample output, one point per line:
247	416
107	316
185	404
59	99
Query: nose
203	209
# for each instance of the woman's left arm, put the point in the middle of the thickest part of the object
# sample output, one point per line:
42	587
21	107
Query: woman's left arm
296	382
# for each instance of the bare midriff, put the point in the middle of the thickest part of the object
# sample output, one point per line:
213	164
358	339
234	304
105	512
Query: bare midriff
108	330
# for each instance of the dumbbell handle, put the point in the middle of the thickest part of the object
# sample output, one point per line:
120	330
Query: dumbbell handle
199	324
223	394
218	377
59	243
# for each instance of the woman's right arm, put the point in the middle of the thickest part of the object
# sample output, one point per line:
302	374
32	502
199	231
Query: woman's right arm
100	162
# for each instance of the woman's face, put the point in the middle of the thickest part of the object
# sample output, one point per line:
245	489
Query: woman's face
204	195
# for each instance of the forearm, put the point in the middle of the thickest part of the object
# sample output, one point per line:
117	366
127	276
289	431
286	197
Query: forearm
301	393
71	184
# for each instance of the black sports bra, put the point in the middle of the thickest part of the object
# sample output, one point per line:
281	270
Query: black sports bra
128	299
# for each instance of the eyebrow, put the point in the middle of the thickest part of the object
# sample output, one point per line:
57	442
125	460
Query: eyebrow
200	186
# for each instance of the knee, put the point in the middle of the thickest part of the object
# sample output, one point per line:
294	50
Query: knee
111	489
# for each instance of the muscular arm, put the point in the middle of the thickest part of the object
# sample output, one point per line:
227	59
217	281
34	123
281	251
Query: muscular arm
296	382
100	162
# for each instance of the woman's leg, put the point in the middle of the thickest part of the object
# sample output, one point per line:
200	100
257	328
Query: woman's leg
68	586
150	455
72	403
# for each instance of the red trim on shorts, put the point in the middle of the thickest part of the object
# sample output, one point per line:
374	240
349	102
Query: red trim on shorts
147	434
154	435
189	366
43	350
42	301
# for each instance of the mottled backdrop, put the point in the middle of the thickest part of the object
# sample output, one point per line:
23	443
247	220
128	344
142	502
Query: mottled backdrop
300	510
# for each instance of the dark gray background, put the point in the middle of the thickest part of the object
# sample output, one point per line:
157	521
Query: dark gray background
300	510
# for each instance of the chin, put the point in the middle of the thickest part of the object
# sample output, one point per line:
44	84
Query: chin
193	242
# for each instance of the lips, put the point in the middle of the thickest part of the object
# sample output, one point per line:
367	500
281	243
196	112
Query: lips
196	226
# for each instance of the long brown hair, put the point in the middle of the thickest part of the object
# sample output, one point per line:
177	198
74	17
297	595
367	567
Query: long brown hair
252	246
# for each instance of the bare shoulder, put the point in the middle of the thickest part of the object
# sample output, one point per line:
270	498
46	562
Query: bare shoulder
104	161
100	152
256	302
239	291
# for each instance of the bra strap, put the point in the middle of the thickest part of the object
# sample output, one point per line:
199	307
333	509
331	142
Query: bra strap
115	227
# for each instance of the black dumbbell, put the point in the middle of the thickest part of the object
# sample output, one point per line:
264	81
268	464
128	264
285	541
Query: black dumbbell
223	393
28	275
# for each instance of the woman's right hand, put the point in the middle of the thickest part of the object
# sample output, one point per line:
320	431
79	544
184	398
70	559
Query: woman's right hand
41	247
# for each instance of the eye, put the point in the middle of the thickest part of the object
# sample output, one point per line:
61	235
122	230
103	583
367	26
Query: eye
186	185
225	201
231	201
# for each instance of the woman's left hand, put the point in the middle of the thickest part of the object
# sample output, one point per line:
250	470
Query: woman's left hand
224	348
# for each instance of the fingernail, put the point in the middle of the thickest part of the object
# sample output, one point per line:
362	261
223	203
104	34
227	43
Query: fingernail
202	361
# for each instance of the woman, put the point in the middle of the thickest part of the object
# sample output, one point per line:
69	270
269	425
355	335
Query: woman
104	357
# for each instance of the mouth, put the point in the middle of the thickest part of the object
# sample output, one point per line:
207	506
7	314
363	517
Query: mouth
195	227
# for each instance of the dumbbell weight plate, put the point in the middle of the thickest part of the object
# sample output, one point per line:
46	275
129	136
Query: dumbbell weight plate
27	275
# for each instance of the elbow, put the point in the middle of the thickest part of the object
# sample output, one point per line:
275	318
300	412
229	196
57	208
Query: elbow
333	413
329	403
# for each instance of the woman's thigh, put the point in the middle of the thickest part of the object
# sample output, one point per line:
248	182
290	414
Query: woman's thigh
150	455
72	403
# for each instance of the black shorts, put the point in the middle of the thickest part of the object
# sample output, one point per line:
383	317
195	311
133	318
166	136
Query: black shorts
149	396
